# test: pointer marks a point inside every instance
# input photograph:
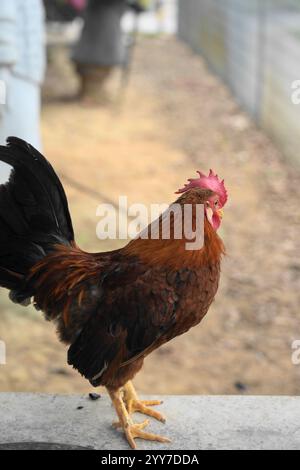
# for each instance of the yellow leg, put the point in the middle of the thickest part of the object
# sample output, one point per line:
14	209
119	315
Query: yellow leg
133	403
131	430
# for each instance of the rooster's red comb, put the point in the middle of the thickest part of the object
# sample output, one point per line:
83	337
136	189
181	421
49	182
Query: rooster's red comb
211	181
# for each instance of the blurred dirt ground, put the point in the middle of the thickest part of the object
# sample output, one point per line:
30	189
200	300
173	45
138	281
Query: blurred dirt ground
176	118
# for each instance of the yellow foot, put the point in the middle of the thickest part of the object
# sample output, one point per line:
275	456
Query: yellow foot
133	431
133	404
142	406
117	424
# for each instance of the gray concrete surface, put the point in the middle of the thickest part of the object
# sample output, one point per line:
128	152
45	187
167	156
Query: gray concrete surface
193	422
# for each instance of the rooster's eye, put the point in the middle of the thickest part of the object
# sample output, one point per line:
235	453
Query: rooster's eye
216	203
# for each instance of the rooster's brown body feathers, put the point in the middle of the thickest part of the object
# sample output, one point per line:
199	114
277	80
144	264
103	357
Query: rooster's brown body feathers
115	308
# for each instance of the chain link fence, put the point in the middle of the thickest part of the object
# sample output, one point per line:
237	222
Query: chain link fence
254	46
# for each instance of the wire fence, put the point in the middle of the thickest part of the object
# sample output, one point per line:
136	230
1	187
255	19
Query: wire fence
254	46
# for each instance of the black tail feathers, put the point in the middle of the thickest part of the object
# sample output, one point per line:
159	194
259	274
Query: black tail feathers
34	214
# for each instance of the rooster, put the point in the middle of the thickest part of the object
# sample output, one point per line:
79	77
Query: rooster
112	309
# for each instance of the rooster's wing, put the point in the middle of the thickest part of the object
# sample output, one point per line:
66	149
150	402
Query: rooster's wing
137	308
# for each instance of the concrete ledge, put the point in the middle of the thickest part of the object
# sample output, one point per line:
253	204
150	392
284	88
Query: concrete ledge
193	422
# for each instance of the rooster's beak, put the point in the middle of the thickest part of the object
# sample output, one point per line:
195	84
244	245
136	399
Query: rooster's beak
220	213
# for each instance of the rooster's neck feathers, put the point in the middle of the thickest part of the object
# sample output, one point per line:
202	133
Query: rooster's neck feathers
173	253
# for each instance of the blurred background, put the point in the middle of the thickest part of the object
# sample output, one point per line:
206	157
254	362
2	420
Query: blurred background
136	97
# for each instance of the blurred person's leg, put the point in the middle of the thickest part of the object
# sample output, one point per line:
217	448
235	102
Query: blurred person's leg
92	80
4	78
100	47
20	115
22	65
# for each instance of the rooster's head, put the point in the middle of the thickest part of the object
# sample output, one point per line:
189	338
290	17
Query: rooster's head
215	203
